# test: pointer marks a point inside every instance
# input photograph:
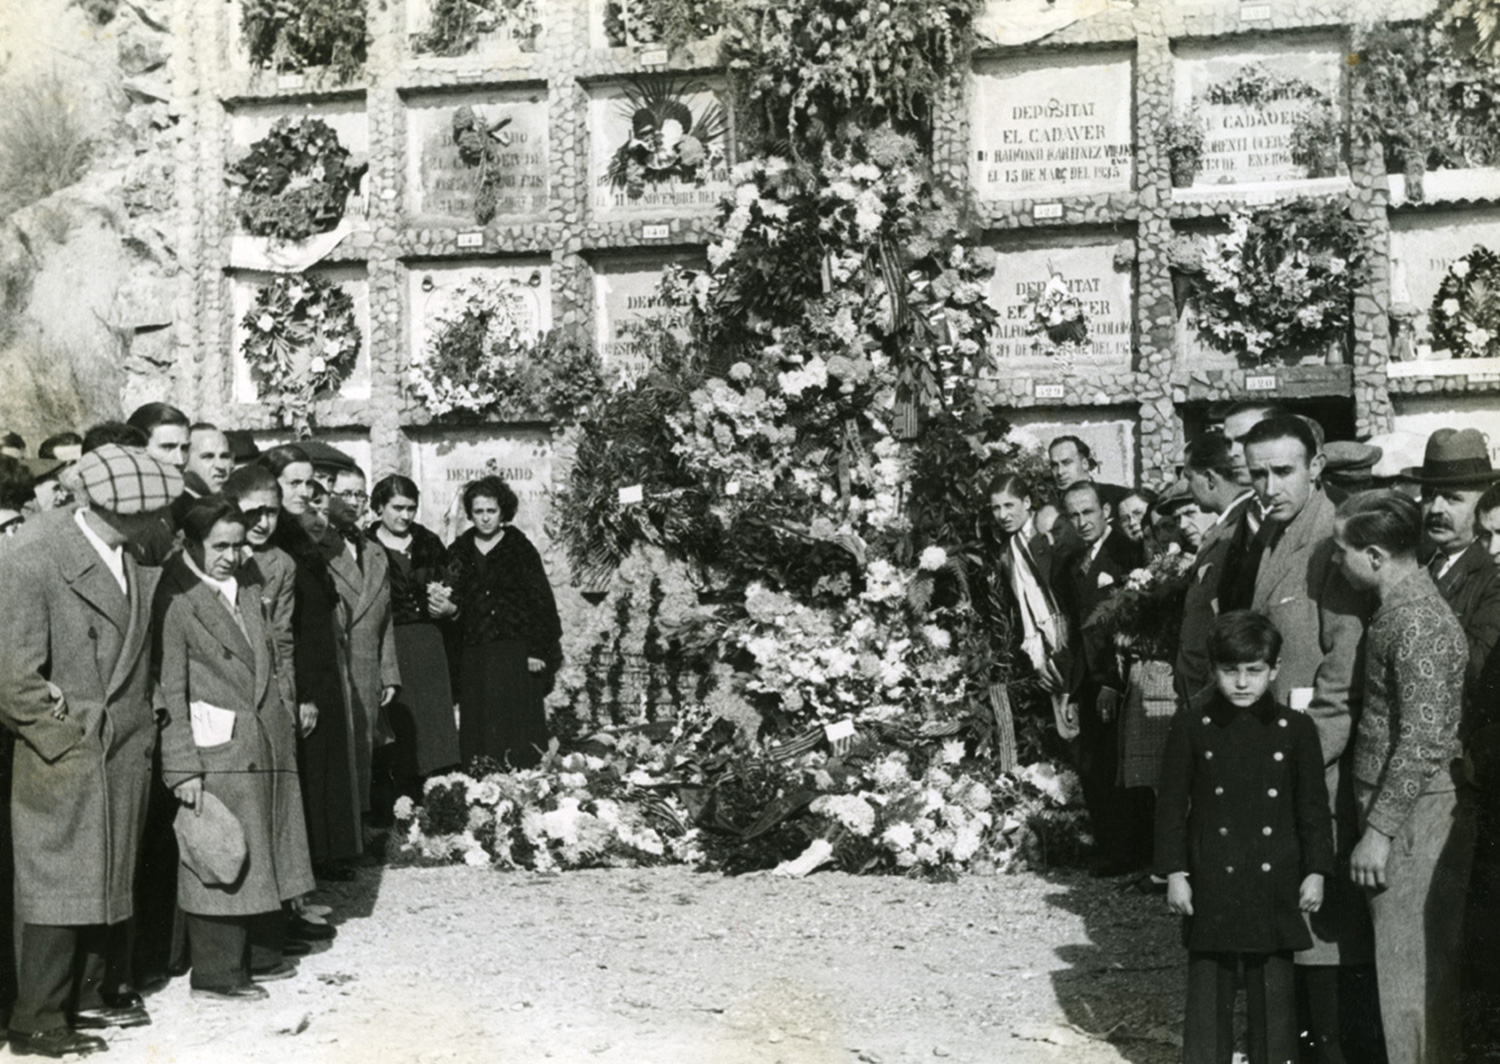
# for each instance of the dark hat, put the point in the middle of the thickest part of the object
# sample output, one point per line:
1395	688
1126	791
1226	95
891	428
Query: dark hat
42	468
1349	460
126	480
326	456
1177	496
211	841
1455	458
242	446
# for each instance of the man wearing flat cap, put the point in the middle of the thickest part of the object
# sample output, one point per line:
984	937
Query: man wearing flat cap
1454	474
75	688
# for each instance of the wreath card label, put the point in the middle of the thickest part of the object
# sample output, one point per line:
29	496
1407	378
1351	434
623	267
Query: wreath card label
476	159
660	145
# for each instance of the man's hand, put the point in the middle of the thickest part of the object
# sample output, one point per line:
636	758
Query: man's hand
387	696
190	794
308	718
1310	898
1179	894
1109	703
1367	863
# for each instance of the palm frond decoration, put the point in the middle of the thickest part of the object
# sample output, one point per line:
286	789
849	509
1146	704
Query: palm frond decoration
667	141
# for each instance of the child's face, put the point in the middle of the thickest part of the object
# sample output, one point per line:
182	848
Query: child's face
1244	683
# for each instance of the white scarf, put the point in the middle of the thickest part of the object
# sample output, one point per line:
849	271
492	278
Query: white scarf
1043	627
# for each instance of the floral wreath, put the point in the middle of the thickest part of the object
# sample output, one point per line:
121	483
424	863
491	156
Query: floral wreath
301	340
482	336
1059	314
1465	316
667	140
295	181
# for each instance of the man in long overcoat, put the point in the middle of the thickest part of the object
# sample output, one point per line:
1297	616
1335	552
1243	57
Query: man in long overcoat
364	585
75	687
1321	619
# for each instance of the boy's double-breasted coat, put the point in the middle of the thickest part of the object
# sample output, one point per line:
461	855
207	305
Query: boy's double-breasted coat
1243	809
205	656
82	767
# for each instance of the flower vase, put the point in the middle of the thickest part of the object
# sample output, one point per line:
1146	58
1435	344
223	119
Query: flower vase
1184	170
1337	353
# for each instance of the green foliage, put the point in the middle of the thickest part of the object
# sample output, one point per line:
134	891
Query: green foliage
455	25
293	35
674	23
294	182
301	341
819	70
1258	86
45	144
1317	140
1281	281
1465	314
1426	104
668	140
1182	137
1474	26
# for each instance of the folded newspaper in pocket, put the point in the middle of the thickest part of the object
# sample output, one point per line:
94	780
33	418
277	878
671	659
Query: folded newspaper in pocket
212	726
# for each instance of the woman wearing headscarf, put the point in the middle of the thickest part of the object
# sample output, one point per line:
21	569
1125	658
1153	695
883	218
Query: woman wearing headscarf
224	713
422	716
325	755
510	631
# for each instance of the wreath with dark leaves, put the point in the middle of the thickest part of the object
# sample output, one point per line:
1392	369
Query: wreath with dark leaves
1465	314
301	341
294	182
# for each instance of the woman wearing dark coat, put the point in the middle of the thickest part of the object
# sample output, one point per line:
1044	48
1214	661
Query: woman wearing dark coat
224	736
509	629
422	714
325	754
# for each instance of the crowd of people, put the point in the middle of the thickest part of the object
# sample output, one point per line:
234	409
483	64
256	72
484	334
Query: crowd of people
219	670
1321	801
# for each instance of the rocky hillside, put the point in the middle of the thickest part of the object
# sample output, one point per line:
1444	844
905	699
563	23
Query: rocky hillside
88	229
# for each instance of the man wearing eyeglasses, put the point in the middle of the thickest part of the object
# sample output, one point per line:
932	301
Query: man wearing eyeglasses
363	580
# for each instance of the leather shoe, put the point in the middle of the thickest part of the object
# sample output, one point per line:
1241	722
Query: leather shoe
279	970
98	1019
295	947
233	993
58	1042
307	931
123	998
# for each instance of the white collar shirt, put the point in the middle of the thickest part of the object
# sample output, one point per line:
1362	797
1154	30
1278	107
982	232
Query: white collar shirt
228	589
113	557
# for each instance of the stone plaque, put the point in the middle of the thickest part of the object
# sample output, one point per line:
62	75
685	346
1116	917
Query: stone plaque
666	159
443	462
441	185
1088	271
432	288
242	288
1110	436
1424	415
625	293
1424	245
1250	142
1052	125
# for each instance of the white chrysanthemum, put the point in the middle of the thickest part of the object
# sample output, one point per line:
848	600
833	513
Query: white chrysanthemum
899	836
483	792
404	808
952	752
849	810
891	773
937	635
1450	307
932	559
1460	269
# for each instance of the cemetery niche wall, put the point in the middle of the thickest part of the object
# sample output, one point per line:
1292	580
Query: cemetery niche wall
567	158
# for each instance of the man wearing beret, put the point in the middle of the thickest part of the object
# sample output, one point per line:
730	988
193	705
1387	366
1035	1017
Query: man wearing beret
75	687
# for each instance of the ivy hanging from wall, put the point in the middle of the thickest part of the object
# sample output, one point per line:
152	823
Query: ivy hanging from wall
455	26
295	35
294	182
301	343
673	23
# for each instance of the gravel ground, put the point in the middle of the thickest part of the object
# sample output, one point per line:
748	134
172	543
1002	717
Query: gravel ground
664	966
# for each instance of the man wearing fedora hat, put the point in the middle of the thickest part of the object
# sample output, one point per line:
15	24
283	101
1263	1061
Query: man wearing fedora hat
1453	477
75	688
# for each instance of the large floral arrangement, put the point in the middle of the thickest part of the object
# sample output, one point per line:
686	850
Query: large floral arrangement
301	341
669	140
1427	100
484	357
1281	280
1465	314
670	22
294	181
293	35
454	26
1144	615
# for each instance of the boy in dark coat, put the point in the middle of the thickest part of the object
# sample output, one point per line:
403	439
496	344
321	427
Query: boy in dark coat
1243	839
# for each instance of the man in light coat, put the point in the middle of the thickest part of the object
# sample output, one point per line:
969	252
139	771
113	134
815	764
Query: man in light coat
75	687
1322	620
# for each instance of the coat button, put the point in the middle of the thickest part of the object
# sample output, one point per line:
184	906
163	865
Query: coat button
1207	720
1266	830
1229	869
1282	722
1208	755
1279	756
1218	790
1272	792
1266	867
1223	831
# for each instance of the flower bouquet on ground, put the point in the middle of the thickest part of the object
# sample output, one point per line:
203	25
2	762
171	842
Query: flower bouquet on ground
1465	312
1144	616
